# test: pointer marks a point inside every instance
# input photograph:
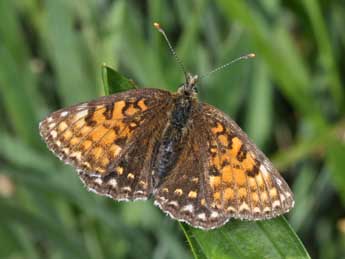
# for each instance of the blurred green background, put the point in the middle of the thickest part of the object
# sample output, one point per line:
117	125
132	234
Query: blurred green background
290	101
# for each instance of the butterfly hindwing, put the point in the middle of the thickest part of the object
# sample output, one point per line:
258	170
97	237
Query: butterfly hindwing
185	193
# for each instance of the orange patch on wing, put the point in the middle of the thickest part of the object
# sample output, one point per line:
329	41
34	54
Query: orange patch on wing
255	197
109	137
98	133
228	194
142	105
62	126
239	176
125	132
252	183
242	192
236	146
86	144
131	110
97	152
264	196
85	130
227	174
74	141
273	192
67	134
216	196
117	111
249	162
80	123
223	140
260	181
98	115
218	128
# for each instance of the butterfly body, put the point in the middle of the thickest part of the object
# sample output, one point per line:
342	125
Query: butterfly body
175	132
190	158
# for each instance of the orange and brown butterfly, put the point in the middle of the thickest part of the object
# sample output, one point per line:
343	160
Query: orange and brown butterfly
189	157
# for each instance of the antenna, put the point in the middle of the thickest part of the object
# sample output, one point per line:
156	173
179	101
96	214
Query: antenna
159	28
250	55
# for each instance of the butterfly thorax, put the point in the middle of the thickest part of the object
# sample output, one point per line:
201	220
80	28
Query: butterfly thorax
175	133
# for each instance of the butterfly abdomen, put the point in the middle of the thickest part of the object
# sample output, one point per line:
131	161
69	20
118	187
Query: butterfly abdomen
173	138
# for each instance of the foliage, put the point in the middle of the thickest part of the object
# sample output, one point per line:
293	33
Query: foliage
290	100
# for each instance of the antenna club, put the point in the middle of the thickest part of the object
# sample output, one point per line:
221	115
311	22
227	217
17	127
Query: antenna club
157	25
251	55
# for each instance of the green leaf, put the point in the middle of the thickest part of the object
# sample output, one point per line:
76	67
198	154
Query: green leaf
242	239
114	82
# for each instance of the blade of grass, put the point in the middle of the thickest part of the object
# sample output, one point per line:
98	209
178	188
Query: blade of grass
327	59
259	113
17	82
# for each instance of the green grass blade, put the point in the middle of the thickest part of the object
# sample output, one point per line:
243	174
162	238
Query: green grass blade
259	118
326	57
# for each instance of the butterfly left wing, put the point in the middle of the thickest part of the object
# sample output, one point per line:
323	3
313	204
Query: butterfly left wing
110	140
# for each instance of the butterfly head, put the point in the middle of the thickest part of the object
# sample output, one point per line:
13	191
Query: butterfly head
189	88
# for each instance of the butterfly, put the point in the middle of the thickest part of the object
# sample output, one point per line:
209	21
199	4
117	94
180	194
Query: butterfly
192	159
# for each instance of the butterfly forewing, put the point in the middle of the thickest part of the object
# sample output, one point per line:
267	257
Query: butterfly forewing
110	140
